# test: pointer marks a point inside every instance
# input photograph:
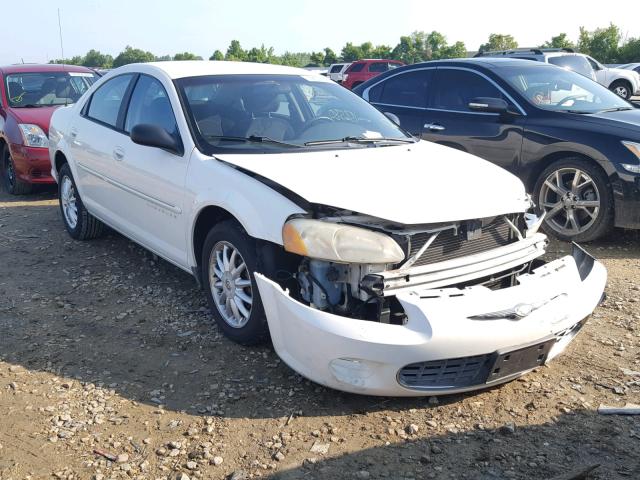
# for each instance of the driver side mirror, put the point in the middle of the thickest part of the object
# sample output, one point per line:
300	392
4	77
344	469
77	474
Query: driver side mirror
488	105
393	117
155	136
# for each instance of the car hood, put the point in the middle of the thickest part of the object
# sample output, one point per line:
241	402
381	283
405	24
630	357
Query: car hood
40	116
627	119
409	184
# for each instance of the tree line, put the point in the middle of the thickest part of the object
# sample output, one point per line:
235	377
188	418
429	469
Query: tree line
605	44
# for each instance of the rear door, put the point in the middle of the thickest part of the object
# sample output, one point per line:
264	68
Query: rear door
95	140
450	121
406	95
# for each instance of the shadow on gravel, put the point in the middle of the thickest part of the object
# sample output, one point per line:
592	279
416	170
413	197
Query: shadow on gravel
567	446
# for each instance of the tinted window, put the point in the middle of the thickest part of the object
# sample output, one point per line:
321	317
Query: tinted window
336	69
356	67
149	104
378	67
573	62
106	100
408	89
456	88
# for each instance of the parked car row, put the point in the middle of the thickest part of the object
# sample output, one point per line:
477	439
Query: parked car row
376	263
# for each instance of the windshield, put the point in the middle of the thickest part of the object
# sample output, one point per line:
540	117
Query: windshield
577	63
276	111
560	90
40	89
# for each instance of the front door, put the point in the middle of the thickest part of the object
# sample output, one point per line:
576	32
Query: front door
449	120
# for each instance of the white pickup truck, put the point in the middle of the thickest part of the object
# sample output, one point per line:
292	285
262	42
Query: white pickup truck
625	83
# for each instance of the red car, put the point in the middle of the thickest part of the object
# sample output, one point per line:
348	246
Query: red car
28	96
362	70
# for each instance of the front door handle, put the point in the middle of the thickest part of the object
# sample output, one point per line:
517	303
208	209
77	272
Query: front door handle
73	133
434	127
118	153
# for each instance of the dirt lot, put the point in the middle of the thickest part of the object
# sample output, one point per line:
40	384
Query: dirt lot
110	367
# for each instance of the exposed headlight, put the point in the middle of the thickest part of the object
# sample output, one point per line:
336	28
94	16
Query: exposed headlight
635	149
33	135
339	243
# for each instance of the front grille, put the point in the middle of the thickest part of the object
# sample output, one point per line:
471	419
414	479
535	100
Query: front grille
448	245
446	374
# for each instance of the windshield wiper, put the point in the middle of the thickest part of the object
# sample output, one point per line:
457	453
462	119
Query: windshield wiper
252	139
616	109
358	140
32	105
579	112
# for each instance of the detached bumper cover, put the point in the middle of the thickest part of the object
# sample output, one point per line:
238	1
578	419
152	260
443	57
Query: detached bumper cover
535	319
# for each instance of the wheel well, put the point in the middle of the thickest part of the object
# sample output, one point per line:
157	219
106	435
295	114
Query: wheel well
60	160
207	218
621	80
554	157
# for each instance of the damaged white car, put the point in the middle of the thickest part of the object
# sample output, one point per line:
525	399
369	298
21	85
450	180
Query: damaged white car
377	263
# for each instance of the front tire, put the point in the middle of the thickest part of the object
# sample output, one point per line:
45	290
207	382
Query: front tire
229	258
621	88
80	224
12	183
577	199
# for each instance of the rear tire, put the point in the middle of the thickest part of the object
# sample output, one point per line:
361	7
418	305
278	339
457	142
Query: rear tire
576	196
14	185
228	249
622	89
80	224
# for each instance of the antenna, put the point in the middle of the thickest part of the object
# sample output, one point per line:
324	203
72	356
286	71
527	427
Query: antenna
60	31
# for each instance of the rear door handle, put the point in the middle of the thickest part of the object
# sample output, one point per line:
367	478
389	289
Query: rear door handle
118	153
434	127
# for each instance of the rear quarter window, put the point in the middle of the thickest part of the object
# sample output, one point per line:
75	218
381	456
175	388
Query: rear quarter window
356	67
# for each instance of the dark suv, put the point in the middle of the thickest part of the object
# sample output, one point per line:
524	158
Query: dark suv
575	144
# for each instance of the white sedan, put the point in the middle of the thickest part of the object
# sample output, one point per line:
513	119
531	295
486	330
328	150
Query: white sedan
376	263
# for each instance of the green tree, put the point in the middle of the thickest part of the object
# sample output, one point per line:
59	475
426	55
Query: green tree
217	55
261	55
164	58
498	41
601	43
329	57
457	50
295	59
559	41
629	52
317	58
410	49
77	60
351	52
381	51
186	56
95	59
235	52
132	55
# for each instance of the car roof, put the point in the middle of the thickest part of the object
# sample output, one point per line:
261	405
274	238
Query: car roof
199	68
489	62
46	67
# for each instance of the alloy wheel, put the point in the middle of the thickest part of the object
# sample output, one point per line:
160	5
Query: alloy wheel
230	284
68	201
571	200
621	91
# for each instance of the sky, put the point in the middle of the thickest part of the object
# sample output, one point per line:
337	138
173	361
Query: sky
202	26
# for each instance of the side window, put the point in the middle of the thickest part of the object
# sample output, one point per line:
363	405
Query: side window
106	100
407	89
355	67
378	67
456	88
150	104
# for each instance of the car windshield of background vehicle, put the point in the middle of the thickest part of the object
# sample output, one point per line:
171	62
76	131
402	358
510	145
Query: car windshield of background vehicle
560	90
42	89
281	111
576	63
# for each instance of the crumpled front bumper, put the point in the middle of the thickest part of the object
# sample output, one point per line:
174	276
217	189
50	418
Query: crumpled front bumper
444	324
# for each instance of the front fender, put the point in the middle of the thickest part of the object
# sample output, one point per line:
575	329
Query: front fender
258	208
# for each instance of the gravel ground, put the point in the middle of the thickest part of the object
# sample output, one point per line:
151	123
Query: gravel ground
111	367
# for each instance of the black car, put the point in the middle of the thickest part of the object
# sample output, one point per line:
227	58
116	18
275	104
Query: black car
574	144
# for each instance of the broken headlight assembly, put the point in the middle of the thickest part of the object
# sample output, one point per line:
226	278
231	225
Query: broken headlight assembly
339	243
